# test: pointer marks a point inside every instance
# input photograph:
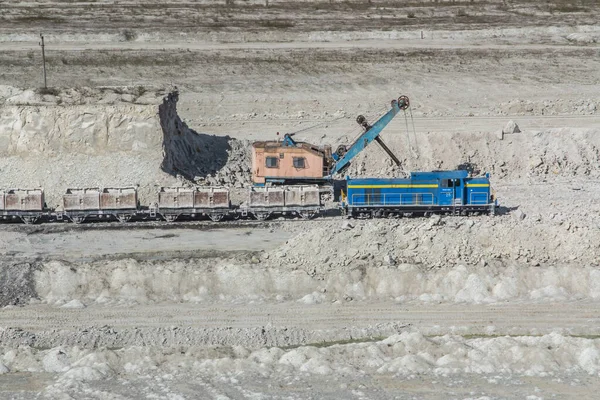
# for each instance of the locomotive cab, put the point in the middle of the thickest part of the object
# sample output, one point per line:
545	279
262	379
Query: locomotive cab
452	191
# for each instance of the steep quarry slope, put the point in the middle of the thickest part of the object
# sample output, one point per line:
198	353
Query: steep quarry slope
451	259
103	138
200	157
537	154
80	138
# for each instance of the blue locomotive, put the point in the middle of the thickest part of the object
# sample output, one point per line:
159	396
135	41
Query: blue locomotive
446	192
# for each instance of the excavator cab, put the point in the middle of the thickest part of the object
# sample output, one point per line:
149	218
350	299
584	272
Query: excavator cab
292	162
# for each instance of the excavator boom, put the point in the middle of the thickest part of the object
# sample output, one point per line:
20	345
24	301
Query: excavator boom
371	133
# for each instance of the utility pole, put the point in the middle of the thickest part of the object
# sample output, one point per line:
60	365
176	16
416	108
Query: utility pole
43	59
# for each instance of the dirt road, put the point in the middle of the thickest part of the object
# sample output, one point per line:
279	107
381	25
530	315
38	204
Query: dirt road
285	324
398	44
138	243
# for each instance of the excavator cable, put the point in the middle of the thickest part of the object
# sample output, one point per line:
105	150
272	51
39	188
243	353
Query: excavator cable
407	132
413	150
414	133
317	125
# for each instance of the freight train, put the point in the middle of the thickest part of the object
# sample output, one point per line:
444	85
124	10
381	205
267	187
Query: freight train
423	193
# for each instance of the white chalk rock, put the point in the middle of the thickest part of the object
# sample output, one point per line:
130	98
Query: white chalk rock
56	361
347	225
535	162
519	215
583	38
73	304
4	369
312	298
84	374
511	127
389	259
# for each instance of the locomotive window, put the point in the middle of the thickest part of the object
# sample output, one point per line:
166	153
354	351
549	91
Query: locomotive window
447	183
272	162
299	162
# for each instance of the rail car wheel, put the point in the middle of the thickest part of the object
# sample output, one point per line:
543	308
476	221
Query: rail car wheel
29	220
170	217
124	217
261	216
77	219
216	217
307	214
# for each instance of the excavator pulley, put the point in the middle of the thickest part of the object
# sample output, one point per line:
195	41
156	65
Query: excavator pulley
362	121
341	150
403	102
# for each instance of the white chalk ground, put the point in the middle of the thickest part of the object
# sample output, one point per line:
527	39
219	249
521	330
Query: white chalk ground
453	308
405	366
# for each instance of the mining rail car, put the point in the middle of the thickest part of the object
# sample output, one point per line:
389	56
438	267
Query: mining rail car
95	204
173	203
26	205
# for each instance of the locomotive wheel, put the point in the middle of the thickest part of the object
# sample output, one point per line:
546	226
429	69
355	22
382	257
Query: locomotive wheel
341	150
216	217
261	216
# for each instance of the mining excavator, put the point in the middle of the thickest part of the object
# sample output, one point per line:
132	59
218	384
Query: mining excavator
291	162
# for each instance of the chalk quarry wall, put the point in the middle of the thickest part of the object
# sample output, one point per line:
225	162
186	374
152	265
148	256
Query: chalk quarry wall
101	138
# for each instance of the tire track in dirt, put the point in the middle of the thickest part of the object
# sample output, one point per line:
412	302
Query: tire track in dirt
282	324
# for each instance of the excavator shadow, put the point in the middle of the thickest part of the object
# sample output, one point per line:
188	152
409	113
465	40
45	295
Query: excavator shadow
186	152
